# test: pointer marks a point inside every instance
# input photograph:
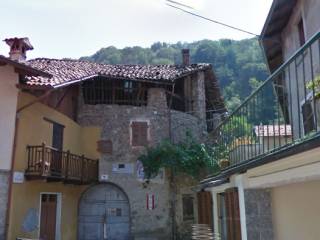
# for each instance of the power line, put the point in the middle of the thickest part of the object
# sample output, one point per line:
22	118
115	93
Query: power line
181	4
205	18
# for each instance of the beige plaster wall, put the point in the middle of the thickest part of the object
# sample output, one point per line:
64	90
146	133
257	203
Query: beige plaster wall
296	211
8	107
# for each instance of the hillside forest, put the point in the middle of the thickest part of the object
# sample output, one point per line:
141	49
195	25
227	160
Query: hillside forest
239	65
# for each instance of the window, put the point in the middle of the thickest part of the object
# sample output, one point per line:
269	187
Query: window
187	207
57	136
57	133
308	117
302	38
128	87
139	133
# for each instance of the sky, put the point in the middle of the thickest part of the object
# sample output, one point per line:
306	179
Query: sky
75	28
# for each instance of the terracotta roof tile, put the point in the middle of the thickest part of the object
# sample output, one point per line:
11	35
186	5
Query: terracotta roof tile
69	71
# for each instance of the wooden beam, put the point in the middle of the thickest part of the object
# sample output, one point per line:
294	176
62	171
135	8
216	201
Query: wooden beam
32	87
62	97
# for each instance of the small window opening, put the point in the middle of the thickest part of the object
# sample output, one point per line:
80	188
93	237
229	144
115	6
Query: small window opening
187	207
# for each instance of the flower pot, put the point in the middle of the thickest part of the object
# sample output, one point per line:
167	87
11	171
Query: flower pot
224	163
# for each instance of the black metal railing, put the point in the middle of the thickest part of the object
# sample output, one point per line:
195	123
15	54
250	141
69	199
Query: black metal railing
47	162
284	110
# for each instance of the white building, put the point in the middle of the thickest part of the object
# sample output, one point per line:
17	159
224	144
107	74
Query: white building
273	193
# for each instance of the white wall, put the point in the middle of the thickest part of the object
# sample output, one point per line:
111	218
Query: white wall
8	107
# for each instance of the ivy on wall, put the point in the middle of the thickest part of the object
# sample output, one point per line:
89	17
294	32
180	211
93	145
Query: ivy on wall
188	157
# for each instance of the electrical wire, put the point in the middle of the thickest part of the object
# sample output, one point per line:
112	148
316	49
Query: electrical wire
170	4
181	4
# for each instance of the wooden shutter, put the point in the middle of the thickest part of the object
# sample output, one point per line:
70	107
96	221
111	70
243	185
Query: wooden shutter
57	136
48	216
205	208
233	214
104	146
139	134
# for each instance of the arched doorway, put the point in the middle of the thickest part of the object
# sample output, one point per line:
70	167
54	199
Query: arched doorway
104	213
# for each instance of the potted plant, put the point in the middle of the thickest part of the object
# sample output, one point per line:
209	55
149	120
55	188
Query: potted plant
315	86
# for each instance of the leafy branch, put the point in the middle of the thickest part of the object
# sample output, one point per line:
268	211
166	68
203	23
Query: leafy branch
314	86
188	157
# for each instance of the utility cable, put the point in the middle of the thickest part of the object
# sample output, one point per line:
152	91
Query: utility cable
170	4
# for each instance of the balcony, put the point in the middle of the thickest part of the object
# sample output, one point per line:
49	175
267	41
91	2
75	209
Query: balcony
280	116
45	162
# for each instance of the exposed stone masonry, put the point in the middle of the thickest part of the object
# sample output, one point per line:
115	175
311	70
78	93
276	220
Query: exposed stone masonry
4	183
115	123
258	214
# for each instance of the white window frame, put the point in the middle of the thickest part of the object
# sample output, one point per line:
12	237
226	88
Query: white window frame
58	213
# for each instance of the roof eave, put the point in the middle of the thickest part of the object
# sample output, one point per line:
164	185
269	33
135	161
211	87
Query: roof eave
25	68
267	22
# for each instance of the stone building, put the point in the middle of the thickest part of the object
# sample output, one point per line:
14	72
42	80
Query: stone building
80	133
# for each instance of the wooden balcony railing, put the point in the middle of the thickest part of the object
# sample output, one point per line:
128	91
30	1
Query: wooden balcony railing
45	162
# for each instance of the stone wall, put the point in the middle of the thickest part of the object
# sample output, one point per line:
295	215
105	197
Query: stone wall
258	214
115	123
183	123
4	184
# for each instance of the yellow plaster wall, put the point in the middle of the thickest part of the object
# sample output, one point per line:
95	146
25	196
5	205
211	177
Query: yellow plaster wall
296	211
27	196
8	104
33	130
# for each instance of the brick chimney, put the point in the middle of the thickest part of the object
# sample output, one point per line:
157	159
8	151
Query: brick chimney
185	57
18	48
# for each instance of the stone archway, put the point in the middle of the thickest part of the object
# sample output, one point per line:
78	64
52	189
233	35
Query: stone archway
104	213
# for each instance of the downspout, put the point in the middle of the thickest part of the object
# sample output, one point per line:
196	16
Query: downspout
172	177
10	183
11	176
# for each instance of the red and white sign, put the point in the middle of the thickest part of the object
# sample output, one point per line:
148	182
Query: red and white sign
150	201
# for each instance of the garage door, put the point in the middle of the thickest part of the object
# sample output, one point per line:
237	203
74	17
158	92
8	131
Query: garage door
104	214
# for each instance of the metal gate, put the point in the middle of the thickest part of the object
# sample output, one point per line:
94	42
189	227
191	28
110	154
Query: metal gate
104	214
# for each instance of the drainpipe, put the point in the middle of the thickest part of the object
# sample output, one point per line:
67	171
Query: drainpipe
11	176
172	177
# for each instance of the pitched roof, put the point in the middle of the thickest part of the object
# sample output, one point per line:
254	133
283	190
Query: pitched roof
66	71
25	69
270	37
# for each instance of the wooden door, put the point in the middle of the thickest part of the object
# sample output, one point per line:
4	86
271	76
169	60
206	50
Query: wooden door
233	214
48	216
57	136
205	208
